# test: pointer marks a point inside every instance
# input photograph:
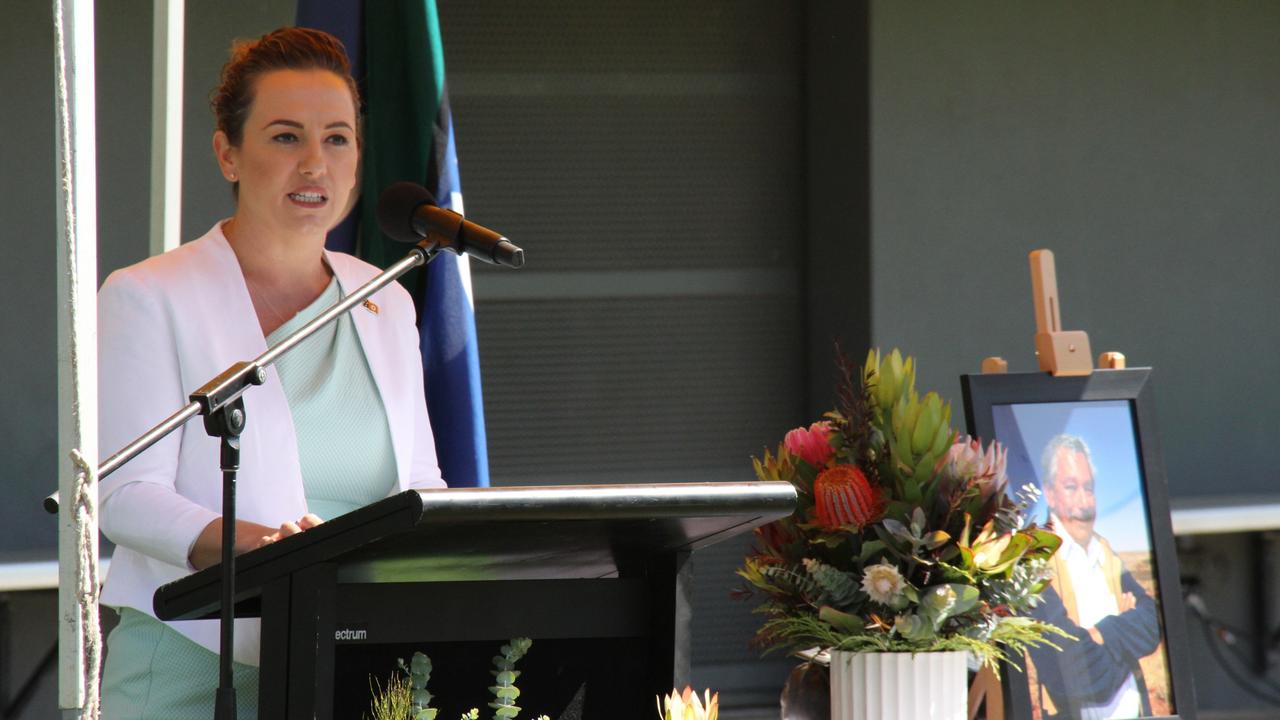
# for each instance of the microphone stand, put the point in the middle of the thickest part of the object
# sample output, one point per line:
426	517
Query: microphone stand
222	406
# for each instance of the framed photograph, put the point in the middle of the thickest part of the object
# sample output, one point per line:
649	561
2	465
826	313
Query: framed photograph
1089	447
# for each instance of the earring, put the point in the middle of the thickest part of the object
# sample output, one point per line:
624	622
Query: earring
232	177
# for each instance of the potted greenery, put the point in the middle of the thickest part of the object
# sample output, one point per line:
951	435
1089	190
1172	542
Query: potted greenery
906	554
406	697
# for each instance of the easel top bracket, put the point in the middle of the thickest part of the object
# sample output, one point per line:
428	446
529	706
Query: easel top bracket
1061	353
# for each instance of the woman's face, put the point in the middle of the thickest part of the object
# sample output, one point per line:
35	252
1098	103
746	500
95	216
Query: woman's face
297	158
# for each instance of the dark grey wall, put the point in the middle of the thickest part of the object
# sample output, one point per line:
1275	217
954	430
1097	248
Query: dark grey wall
28	345
1140	141
837	221
211	28
28	375
1137	140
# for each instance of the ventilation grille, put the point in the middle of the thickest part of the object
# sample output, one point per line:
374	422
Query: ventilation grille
647	157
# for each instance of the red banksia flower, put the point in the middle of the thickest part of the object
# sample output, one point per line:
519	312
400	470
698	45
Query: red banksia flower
843	496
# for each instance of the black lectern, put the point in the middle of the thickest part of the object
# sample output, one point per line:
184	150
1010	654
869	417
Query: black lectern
601	561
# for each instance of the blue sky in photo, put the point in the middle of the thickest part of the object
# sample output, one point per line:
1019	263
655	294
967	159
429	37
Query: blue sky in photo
1107	428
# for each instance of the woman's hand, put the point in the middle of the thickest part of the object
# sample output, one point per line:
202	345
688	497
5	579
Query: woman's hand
207	549
306	522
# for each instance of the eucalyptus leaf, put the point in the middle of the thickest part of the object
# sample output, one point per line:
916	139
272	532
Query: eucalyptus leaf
840	620
917	522
910	592
914	627
967	597
888	539
896	528
506	693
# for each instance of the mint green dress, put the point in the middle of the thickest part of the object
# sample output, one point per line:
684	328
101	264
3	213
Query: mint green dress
344	447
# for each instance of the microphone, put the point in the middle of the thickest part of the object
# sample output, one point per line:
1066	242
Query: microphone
407	212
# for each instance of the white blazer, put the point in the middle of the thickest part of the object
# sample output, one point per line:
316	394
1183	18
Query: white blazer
166	326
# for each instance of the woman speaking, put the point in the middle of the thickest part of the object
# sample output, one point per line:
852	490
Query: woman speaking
340	422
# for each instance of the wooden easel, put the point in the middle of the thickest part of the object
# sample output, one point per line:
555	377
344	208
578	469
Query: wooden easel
985	695
1062	353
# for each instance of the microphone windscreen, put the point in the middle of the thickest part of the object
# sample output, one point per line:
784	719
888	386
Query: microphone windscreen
396	208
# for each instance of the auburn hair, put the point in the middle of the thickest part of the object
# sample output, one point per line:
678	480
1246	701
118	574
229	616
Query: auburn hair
289	48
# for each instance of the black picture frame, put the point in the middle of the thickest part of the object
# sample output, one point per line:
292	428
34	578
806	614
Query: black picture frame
986	394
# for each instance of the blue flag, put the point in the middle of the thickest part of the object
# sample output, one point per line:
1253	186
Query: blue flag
398	57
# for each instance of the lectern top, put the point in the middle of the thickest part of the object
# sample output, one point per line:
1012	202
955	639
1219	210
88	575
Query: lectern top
605	502
509	533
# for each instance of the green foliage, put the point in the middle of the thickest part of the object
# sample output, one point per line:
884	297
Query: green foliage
419	672
1016	635
839	588
394	702
841	621
795	582
406	696
909	435
1021	587
1007	641
504	688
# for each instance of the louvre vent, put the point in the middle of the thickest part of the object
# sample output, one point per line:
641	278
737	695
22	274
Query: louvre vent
647	157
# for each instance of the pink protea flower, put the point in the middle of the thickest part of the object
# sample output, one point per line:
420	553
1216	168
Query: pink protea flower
843	496
966	461
812	445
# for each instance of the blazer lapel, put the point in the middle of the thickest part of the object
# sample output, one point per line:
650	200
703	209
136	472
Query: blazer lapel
270	471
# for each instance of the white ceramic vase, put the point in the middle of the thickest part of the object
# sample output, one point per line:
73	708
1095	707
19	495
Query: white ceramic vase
899	686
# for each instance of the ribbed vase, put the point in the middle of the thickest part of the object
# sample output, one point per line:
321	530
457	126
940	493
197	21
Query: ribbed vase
898	686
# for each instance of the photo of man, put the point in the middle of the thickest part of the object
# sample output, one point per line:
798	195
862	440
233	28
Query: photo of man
1101	591
1093	597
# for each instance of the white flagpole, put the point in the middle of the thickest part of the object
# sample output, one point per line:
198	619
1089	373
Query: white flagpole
79	644
166	124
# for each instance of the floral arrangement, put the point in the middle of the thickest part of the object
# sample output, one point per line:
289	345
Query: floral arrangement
905	538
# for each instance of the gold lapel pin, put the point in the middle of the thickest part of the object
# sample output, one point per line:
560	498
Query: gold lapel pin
371	306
